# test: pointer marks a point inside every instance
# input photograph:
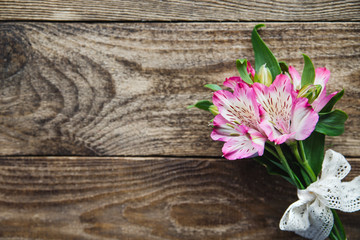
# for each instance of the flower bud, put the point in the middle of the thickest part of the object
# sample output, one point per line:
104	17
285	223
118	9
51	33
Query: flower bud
264	76
214	110
311	92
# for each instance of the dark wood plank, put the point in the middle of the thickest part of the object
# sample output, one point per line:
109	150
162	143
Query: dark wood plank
145	198
122	89
180	10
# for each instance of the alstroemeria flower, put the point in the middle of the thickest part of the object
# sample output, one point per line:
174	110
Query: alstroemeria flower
322	75
311	215
238	122
286	117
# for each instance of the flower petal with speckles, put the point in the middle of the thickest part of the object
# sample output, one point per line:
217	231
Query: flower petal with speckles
249	144
231	82
239	107
286	117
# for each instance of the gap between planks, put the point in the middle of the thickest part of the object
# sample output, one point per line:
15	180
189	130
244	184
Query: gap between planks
137	158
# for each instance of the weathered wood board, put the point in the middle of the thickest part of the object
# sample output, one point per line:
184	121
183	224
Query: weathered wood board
145	198
180	10
111	95
122	88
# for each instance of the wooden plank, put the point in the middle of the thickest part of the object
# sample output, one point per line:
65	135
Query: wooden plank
180	10
122	88
145	198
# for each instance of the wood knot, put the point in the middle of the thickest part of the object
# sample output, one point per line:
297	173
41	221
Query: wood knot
14	51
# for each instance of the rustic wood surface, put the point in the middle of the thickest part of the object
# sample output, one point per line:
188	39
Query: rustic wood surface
180	10
145	198
95	138
122	88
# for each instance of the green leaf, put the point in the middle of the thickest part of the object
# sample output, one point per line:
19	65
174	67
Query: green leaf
331	123
262	54
314	150
241	66
213	87
308	75
284	67
305	176
202	104
256	77
293	164
328	107
273	167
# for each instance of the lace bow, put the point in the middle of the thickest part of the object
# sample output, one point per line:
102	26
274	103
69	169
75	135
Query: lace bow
311	215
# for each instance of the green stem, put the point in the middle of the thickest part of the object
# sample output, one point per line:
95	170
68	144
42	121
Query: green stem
335	232
332	236
271	151
339	228
302	160
287	167
303	155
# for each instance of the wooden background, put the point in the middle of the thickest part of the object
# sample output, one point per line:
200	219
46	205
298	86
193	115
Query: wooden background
95	138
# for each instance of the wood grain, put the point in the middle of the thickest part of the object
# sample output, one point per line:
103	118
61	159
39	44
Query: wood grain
122	88
145	198
180	10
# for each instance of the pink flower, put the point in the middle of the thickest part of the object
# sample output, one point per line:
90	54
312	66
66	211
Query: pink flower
240	140
286	117
251	115
322	75
238	122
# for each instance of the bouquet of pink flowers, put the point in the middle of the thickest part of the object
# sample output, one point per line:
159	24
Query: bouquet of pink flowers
280	118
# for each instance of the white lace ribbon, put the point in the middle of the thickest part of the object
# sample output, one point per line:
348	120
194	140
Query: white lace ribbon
311	215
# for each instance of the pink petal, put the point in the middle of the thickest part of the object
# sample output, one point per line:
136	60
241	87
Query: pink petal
238	148
258	140
223	130
273	134
231	82
250	69
276	102
281	84
241	141
322	100
221	99
322	75
239	107
304	119
220	120
283	81
296	78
